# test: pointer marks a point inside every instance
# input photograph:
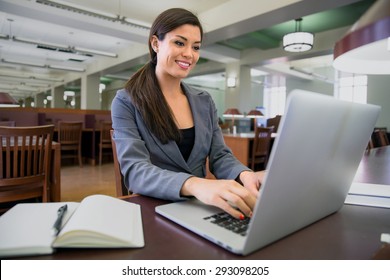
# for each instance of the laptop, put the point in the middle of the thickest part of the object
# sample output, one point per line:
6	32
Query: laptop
318	148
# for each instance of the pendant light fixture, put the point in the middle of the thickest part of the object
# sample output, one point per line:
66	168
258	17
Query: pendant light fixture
298	41
365	49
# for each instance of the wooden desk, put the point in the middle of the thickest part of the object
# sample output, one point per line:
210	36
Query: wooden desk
240	144
352	233
375	167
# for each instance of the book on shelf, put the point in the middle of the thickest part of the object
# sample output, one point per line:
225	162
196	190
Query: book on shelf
98	221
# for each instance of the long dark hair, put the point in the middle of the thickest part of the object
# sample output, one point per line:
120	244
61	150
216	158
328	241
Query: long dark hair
143	86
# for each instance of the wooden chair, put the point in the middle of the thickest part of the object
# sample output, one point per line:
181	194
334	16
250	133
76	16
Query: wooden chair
25	162
105	139
69	136
121	189
380	137
261	147
370	145
274	122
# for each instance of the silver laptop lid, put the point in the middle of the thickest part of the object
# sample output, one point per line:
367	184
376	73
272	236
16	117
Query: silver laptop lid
315	156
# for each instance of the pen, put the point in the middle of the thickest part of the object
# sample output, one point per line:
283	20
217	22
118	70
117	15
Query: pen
60	215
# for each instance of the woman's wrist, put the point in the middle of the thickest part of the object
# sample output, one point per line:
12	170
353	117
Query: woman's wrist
186	189
243	175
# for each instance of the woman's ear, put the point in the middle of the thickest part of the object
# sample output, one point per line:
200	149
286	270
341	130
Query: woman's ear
154	43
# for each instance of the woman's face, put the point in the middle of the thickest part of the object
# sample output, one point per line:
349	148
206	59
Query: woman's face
178	53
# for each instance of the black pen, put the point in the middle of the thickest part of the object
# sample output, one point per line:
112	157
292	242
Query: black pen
60	215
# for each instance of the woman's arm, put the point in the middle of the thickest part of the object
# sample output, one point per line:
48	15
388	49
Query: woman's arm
140	174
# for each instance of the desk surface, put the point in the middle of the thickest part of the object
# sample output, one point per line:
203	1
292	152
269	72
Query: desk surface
352	233
375	167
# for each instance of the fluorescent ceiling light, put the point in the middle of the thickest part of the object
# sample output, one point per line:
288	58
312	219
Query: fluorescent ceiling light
66	68
59	47
35	42
71	7
137	23
16	89
32	78
75	8
83	50
58	67
24	63
47	79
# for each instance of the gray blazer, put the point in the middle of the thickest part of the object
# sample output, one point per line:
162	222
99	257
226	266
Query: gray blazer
159	170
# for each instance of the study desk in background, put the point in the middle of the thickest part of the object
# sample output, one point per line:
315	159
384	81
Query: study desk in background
352	233
89	144
241	145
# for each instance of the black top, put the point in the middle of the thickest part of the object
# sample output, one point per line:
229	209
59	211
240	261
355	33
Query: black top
187	142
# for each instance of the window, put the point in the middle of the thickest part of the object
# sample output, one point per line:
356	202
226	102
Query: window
275	96
351	87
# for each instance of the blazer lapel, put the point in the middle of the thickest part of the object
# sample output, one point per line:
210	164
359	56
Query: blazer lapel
200	114
171	150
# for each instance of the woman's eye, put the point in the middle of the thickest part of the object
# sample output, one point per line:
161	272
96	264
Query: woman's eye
196	48
179	43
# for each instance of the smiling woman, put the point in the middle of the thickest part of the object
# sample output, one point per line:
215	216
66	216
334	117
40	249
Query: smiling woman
165	131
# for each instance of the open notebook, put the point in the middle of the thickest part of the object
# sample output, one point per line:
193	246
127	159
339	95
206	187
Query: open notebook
314	159
99	221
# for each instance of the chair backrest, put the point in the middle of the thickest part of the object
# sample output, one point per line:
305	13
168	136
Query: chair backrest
25	161
105	134
380	135
274	122
105	139
261	145
69	133
121	189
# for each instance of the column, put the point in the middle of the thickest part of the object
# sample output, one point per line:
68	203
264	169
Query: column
240	95
232	91
39	100
58	97
90	96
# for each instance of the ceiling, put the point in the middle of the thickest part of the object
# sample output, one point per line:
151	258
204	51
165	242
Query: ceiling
47	43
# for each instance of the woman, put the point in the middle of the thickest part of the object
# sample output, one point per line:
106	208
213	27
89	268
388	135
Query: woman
165	130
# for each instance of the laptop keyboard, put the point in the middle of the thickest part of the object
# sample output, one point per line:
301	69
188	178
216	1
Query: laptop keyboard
230	223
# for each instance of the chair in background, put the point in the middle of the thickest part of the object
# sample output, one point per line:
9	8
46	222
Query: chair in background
105	139
25	162
261	148
121	189
380	137
274	122
370	145
69	136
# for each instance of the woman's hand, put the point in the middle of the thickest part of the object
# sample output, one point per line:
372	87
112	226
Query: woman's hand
228	195
252	181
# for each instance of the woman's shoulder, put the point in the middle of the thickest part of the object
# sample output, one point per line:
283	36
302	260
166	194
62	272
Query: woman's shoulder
122	93
122	99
